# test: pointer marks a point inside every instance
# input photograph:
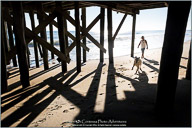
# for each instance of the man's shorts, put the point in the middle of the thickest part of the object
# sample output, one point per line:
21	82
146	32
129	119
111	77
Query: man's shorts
143	49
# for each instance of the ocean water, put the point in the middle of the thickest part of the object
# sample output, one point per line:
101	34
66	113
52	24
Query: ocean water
122	44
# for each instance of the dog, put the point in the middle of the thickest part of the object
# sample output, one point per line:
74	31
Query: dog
137	63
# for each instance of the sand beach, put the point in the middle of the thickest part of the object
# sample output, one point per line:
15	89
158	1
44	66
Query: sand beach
100	95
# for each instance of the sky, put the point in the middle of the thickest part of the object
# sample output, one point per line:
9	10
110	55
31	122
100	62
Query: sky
149	19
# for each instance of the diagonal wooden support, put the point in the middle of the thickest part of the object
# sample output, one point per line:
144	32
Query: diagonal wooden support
82	36
119	27
66	37
86	31
44	43
74	43
31	35
37	30
31	15
93	23
71	36
72	21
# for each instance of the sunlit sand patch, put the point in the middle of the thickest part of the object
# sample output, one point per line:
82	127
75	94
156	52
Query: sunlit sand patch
45	97
19	120
121	88
60	110
78	86
101	95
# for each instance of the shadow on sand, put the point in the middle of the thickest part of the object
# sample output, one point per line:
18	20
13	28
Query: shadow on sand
137	109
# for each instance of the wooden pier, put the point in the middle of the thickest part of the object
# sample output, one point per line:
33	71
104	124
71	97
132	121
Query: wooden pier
17	52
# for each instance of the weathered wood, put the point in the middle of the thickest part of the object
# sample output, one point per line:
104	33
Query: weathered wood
84	27
133	35
110	38
51	38
44	36
3	61
6	41
72	21
11	41
102	23
27	50
71	36
171	56
61	33
28	56
45	22
77	30
119	7
74	43
37	30
45	44
40	50
188	72
31	35
65	31
119	27
92	23
31	14
18	24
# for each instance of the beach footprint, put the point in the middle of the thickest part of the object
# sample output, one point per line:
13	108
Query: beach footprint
65	111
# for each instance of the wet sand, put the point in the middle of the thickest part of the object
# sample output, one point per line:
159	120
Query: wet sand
100	92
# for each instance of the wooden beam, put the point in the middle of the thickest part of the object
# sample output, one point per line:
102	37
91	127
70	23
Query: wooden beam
119	27
102	28
66	37
171	56
40	50
84	27
31	14
72	21
18	24
93	23
115	7
77	30
71	36
37	30
51	39
45	44
110	38
44	36
32	35
3	61
27	50
11	41
61	33
133	35
74	43
188	72
6	41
